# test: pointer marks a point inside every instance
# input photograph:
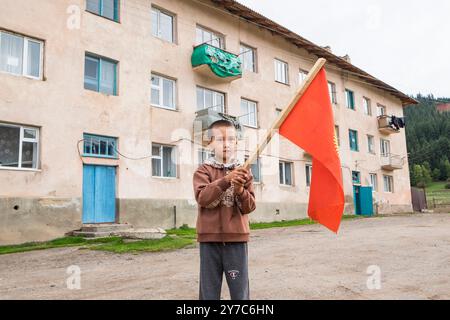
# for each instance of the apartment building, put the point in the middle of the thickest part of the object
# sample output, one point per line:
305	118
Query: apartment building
101	103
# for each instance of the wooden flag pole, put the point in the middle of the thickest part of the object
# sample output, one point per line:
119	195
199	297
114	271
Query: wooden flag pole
283	115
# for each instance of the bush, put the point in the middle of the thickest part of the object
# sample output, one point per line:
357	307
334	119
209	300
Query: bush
447	186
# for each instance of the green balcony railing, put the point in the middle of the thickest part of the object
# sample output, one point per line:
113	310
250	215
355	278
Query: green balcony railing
222	64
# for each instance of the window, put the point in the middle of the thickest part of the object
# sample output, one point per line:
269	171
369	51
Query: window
106	8
21	55
356	177
336	132
286	173
163	92
381	110
163	25
367	106
203	35
100	75
163	161
281	71
385	147
302	74
308	171
256	170
210	99
248	58
19	146
350	99
204	154
388	182
374	181
332	91
278	111
99	146
249	116
353	137
371	144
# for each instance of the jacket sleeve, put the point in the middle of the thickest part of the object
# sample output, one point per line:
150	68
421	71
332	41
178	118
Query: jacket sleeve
207	192
246	201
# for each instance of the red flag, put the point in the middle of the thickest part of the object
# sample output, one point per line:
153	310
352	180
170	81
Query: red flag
310	125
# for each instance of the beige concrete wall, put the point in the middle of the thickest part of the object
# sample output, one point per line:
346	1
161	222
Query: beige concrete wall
64	110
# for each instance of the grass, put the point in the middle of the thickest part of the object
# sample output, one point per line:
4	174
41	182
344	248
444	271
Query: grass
437	191
175	239
57	243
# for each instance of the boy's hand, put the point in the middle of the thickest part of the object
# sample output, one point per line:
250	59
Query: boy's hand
238	178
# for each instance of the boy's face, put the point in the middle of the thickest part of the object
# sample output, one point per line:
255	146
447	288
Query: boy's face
224	142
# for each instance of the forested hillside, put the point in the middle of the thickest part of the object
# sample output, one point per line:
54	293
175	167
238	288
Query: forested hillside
428	140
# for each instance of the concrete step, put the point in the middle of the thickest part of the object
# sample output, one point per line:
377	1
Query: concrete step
142	233
92	235
105	227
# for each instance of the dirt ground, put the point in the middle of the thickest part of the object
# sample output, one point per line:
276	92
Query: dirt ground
306	262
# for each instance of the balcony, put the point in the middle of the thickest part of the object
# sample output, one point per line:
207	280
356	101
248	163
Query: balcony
390	124
391	162
216	64
206	117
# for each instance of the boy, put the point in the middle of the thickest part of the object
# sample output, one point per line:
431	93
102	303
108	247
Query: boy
225	197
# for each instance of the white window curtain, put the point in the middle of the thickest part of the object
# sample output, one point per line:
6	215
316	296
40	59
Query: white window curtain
11	53
108	77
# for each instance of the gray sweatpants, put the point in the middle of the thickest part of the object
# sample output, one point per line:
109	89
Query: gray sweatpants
217	258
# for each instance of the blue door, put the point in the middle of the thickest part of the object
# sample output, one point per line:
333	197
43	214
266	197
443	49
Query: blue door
363	200
99	194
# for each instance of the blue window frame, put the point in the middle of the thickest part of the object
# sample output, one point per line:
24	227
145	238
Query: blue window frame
350	99
99	146
106	8
353	137
356	177
100	74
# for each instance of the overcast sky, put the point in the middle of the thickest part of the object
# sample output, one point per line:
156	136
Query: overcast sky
405	43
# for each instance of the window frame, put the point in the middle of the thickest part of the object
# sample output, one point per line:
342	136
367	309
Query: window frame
308	174
383	144
100	60
291	165
160	89
218	35
356	139
381	107
22	139
101	138
254	55
390	180
367	106
286	70
337	134
349	93
369	137
161	158
332	91
258	164
302	74
248	103
215	94
374	181
24	57
358	174
158	32
117	4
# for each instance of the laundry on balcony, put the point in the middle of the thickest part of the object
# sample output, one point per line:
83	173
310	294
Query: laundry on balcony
390	124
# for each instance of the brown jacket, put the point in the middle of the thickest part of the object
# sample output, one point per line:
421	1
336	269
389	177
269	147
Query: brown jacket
222	215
